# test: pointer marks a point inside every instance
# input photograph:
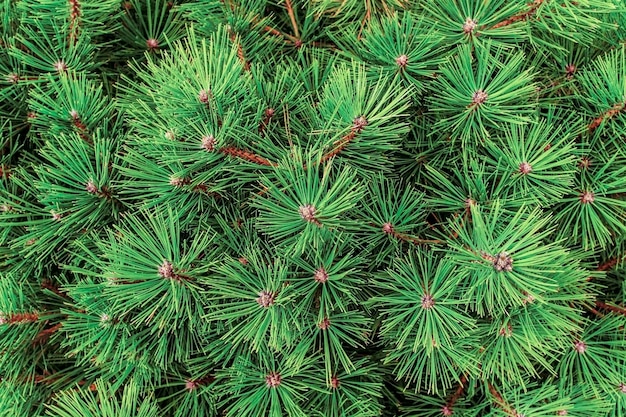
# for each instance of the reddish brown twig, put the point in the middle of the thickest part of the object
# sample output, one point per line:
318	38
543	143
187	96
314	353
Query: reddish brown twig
617	108
448	409
267	117
43	336
81	127
615	309
248	156
500	402
520	16
17	318
292	17
74	20
388	229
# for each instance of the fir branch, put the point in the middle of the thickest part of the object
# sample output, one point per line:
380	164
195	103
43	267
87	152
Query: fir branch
520	16
617	108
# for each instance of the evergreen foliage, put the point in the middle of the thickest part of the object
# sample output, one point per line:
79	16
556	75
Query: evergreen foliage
312	208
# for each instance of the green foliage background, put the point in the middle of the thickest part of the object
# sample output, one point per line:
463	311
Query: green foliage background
312	208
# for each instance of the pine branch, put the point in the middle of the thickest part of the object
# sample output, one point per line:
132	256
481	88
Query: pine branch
292	17
75	14
617	108
357	126
388	229
248	156
501	402
43	336
19	318
520	16
448	409
613	308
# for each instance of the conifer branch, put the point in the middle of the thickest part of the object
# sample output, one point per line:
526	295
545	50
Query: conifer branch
448	409
19	318
617	108
43	336
292	17
81	127
388	229
501	402
520	16
248	156
75	15
613	308
358	125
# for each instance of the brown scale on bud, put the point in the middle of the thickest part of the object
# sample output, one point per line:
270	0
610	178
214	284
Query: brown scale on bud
622	387
570	70
547	147
503	262
324	324
13	78
446	410
298	44
334	382
358	124
469	202
269	112
265	299
561	413
208	143
152	44
388	228
56	216
580	346
307	212
5	208
427	301
506	331
166	270
273	379
469	26
74	114
320	275
479	97
60	66
525	168
243	261
91	188
169	135
587	197
584	163
179	182
191	385
203	96
402	61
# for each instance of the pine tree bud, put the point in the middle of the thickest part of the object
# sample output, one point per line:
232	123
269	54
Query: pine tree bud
55	216
320	275
324	324
152	44
525	168
506	331
273	379
334	382
358	124
479	97
265	299
307	212
169	135
584	163
622	387
469	26
203	96
13	78
446	411
387	228
60	66
427	301
402	60
91	188
166	270
503	262
587	197
208	143
561	413
580	346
